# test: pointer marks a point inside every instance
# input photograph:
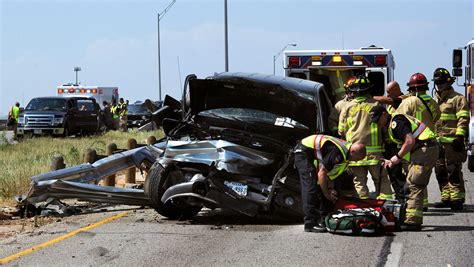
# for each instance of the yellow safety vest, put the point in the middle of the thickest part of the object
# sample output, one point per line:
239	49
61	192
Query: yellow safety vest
15	112
114	110
316	142
419	130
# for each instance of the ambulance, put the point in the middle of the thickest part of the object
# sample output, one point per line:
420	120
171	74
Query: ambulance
468	90
99	93
334	67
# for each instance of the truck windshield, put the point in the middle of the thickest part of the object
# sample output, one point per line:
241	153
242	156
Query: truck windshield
47	104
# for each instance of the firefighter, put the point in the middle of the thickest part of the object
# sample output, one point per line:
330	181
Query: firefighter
357	128
342	104
417	139
320	159
420	105
452	129
346	179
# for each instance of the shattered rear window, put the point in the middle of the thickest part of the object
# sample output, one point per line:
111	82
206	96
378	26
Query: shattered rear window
252	116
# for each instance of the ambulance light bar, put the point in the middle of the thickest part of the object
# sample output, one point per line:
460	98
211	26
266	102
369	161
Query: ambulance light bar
77	91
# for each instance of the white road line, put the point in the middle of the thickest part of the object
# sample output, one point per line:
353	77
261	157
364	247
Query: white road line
393	259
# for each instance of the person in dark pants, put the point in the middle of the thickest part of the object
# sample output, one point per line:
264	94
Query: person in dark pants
397	177
320	159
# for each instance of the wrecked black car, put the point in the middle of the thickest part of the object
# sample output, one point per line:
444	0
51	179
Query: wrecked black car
230	145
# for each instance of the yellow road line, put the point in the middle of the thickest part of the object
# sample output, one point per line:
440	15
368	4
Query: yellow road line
61	238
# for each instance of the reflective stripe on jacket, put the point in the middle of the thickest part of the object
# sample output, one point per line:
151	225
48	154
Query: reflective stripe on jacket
360	129
454	116
316	143
413	106
419	130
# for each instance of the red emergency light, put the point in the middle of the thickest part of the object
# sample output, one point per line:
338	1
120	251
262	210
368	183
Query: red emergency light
94	91
293	62
380	60
71	90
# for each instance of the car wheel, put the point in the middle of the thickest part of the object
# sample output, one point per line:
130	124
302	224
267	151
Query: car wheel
158	180
470	163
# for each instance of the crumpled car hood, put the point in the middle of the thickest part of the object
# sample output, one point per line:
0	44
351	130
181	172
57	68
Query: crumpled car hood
223	155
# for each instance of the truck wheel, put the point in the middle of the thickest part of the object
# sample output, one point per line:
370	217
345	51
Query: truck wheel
470	163
158	180
66	132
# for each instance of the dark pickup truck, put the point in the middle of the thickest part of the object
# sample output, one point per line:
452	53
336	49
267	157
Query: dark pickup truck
61	116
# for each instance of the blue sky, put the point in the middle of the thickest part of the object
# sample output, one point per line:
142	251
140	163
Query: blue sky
115	42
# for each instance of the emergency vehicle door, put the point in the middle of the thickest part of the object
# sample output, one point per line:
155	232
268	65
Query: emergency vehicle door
379	78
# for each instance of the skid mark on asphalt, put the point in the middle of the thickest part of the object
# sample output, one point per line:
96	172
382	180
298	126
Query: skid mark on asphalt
61	238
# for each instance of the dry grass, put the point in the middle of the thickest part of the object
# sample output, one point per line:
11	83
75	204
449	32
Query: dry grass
18	163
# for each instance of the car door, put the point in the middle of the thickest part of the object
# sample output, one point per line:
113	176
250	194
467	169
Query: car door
86	114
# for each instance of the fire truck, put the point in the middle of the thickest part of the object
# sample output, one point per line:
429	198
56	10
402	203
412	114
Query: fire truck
468	90
99	93
334	67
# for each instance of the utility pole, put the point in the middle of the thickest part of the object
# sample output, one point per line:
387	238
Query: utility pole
160	16
226	38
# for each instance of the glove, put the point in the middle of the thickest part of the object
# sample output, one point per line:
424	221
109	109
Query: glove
458	144
395	160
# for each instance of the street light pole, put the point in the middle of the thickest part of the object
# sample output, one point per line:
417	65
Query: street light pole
160	16
77	69
278	54
226	38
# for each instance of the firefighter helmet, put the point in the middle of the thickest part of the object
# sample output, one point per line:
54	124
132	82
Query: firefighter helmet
349	82
417	81
360	84
442	75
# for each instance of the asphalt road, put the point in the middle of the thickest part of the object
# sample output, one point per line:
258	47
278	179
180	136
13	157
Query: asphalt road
143	238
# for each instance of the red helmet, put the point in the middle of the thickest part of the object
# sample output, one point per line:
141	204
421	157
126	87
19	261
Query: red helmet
417	80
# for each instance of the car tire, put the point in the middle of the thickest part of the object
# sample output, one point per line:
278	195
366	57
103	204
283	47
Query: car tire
158	180
470	163
66	132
